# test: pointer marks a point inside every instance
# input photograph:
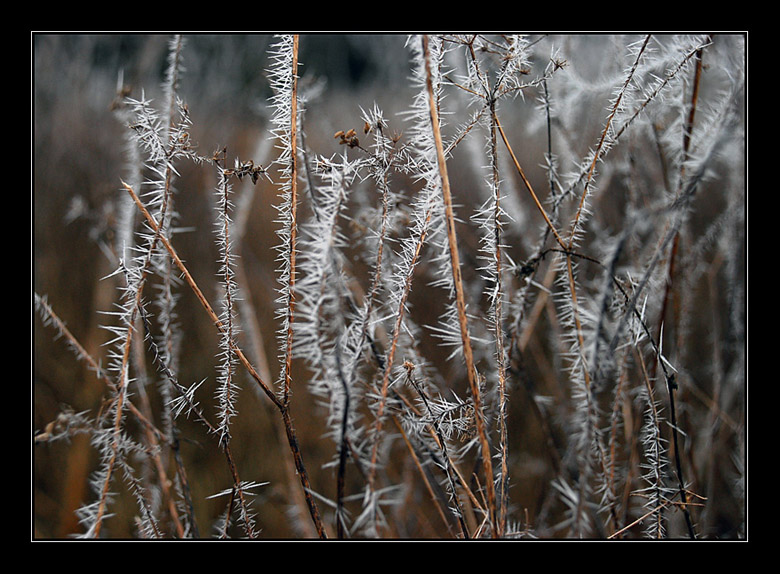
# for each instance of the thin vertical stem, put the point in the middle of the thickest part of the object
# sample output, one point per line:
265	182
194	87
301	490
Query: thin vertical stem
293	220
528	186
498	327
460	298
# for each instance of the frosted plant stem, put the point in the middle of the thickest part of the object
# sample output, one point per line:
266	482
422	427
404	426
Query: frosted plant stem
227	387
292	223
384	389
460	297
121	387
443	445
498	327
284	410
655	454
293	230
601	143
528	185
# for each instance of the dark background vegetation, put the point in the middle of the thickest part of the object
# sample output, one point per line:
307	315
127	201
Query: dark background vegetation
78	162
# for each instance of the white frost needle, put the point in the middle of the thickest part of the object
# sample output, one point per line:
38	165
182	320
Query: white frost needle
246	487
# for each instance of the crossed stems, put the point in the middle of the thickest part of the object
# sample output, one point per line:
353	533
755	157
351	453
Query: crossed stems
282	406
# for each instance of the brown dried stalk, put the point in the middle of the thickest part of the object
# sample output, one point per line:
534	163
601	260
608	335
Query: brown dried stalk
460	298
293	222
283	407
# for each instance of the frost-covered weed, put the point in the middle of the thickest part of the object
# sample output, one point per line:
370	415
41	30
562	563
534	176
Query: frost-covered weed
483	304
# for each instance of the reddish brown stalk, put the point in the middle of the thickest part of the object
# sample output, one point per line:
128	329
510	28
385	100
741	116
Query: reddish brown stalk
153	434
498	328
602	140
460	298
121	388
528	185
688	128
293	222
686	147
283	408
198	293
393	346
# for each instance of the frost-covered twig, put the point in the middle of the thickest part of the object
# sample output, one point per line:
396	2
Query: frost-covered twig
283	77
471	372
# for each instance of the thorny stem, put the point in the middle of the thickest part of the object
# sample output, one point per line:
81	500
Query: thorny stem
283	408
227	330
460	296
602	140
124	367
656	455
393	347
169	172
670	387
443	445
228	287
498	328
672	235
293	221
528	185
